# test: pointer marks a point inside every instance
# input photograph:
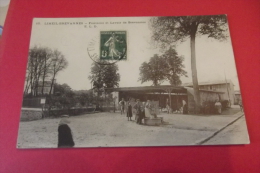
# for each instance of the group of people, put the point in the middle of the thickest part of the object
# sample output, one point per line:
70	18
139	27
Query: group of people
142	110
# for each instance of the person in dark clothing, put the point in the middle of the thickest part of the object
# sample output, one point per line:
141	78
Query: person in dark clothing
129	113
65	138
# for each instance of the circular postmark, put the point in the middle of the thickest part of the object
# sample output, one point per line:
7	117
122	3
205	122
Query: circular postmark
108	47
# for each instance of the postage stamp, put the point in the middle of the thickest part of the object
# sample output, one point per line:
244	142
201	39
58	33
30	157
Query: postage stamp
113	45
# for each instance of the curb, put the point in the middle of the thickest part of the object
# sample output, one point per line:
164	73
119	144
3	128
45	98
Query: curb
239	114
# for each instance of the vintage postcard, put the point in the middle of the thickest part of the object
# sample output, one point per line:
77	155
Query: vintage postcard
131	81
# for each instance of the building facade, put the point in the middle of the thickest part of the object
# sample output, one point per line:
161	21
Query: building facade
226	87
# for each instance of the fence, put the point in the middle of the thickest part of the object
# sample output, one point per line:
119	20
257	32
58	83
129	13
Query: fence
32	102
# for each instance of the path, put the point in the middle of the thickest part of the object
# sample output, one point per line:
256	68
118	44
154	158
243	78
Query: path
113	129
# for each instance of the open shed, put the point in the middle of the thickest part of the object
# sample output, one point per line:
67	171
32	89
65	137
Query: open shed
174	94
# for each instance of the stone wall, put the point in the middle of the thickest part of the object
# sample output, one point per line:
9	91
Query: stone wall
30	114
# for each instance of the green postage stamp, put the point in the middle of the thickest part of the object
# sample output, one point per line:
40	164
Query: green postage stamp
113	45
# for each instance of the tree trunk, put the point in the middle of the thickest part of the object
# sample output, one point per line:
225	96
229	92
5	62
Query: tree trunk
194	27
43	77
52	83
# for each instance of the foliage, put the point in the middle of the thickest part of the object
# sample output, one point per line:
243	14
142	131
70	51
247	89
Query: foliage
174	66
104	76
83	99
168	66
171	30
154	70
64	97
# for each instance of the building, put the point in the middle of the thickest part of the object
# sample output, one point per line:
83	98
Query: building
226	87
237	97
46	87
209	93
175	95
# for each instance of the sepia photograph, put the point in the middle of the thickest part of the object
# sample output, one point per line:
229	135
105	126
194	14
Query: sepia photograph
131	82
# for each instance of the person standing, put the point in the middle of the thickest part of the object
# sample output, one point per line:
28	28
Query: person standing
138	108
218	107
148	109
241	105
122	106
185	107
167	106
65	138
129	112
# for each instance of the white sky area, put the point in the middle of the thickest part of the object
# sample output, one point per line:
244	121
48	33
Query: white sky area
213	57
4	4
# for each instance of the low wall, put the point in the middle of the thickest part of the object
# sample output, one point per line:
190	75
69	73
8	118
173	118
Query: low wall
30	114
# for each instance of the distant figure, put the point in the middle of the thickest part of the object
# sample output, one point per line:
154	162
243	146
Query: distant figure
129	112
184	107
150	110
65	138
241	106
167	106
218	107
139	112
122	106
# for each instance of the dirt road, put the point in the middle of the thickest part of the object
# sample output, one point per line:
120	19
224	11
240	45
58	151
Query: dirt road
113	129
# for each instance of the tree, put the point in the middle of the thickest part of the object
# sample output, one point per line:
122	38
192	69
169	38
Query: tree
83	99
175	66
169	30
46	69
37	68
64	96
58	63
104	76
43	64
154	70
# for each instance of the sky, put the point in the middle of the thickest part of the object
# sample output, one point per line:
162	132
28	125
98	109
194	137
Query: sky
215	59
4	4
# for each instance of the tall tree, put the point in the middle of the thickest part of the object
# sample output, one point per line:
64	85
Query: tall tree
174	66
154	70
46	70
37	68
169	30
43	64
104	76
58	63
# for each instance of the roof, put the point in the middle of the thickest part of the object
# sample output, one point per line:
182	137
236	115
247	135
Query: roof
147	89
210	91
210	83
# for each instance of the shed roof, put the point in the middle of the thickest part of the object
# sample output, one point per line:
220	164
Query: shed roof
149	89
217	82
